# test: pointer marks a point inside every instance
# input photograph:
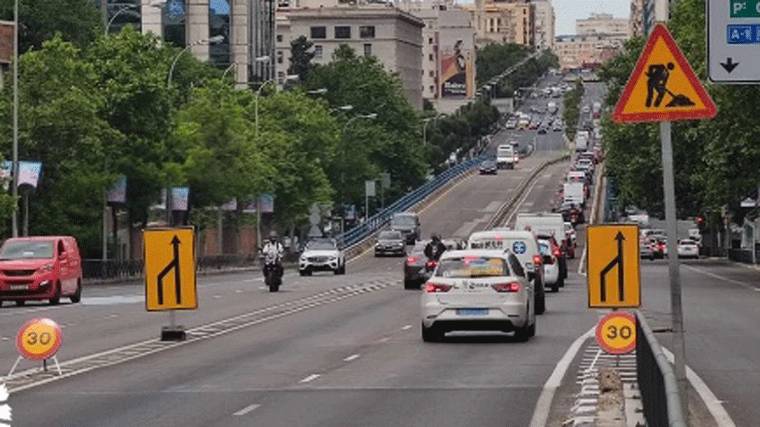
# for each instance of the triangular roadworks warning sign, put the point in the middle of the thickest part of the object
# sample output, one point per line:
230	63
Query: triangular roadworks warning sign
663	86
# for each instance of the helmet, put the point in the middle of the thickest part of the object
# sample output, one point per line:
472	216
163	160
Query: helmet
272	235
436	238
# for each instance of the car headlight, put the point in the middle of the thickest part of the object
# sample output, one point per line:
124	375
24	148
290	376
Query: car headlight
333	258
46	268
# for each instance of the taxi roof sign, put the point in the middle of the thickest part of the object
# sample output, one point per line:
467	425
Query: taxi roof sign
663	86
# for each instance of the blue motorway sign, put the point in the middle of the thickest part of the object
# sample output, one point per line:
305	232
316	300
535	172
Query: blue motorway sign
743	34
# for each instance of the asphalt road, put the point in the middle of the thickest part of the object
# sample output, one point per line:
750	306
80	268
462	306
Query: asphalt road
356	360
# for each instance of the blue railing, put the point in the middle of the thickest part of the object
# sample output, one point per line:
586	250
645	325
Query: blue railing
382	218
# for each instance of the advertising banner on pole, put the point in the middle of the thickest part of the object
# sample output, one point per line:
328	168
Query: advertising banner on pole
118	193
457	71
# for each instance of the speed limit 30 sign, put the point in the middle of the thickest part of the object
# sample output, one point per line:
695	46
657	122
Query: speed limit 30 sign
616	333
39	339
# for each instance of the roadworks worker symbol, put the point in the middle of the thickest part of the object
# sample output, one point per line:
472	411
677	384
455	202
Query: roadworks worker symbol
663	86
5	408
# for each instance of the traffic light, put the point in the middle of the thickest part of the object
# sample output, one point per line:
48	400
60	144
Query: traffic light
701	223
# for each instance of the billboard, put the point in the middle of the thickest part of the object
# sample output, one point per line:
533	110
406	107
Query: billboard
457	71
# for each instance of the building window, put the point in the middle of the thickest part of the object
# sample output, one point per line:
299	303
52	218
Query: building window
219	25
279	37
343	32
281	77
430	57
432	89
432	73
430	40
280	57
319	32
317	51
367	49
367	32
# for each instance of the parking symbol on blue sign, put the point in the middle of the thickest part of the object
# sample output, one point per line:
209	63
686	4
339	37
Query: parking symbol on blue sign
518	247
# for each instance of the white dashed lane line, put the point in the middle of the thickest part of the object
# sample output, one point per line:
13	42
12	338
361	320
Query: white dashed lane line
351	358
407	327
246	410
310	378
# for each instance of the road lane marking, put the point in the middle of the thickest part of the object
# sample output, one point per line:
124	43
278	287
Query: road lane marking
386	339
217	296
310	378
708	397
247	409
544	404
351	358
407	327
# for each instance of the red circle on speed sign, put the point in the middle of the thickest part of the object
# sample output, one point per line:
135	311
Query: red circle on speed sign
616	332
39	339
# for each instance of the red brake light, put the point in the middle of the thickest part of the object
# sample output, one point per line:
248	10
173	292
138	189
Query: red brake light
537	260
432	288
412	260
557	252
431	264
506	287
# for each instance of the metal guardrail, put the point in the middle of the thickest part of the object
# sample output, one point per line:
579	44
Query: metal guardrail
657	380
382	218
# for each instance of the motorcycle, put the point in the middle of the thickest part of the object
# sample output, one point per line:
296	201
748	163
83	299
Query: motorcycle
272	273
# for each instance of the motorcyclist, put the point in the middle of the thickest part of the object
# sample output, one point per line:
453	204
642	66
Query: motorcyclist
434	248
273	251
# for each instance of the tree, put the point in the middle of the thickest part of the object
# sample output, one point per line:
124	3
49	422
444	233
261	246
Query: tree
300	59
493	59
78	21
60	127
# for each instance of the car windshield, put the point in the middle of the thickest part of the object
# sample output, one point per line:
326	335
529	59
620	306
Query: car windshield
403	221
26	250
320	245
472	266
390	235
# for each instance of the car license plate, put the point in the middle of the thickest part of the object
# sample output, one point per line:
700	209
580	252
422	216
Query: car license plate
18	287
472	311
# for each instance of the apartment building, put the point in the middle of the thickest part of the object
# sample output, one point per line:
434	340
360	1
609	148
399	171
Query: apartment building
543	24
579	50
636	18
502	22
391	35
602	23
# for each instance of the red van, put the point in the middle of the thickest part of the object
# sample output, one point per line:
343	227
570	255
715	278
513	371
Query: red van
39	268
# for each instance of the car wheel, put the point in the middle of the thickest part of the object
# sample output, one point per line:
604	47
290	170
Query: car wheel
1	303
555	287
56	295
77	294
20	302
540	302
307	272
411	284
523	334
431	334
302	272
561	283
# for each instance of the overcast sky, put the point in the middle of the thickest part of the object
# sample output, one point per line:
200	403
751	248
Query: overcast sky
567	11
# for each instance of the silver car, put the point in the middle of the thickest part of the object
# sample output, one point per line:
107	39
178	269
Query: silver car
478	290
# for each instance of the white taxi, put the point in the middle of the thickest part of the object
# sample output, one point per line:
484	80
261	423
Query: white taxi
478	290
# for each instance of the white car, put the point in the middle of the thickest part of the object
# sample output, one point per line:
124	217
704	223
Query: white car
688	248
551	266
321	254
478	290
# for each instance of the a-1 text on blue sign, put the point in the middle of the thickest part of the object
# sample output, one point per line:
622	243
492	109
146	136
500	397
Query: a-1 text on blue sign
743	34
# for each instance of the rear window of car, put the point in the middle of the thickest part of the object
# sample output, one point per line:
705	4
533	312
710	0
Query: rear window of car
404	221
26	250
390	235
471	267
543	247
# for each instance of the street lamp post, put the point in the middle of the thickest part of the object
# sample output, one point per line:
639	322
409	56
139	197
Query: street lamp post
346	107
14	167
215	39
343	167
258	93
110	21
424	126
224	74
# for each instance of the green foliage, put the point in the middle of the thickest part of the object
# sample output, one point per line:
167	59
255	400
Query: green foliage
300	57
78	21
493	59
572	104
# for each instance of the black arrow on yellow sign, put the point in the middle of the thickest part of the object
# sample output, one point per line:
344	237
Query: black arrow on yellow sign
617	261
173	265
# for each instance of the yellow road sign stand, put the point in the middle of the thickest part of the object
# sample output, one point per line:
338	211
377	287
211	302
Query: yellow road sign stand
38	339
170	282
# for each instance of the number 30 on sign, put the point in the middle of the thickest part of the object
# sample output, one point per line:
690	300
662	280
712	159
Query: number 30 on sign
616	333
39	339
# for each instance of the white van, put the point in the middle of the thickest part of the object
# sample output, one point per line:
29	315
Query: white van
505	156
547	224
525	247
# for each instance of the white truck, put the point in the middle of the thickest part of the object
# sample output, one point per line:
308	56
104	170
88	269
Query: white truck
552	108
581	142
575	193
505	156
